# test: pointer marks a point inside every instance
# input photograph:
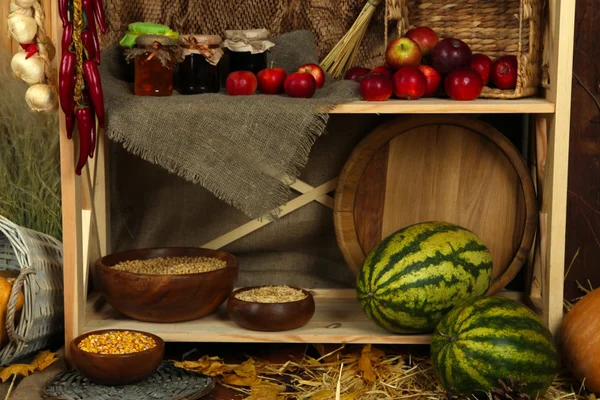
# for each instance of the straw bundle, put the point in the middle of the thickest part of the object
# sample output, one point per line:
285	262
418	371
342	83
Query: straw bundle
344	53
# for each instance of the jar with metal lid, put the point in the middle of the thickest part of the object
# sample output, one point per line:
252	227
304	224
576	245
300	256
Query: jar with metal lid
155	58
247	50
199	70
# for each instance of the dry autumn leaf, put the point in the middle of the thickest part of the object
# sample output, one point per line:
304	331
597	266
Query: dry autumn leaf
244	375
266	391
44	359
365	366
210	366
16	369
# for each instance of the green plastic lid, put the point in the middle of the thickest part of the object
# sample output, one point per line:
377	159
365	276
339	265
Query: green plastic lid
146	28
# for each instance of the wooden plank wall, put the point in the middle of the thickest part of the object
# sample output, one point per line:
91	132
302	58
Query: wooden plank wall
583	207
6	42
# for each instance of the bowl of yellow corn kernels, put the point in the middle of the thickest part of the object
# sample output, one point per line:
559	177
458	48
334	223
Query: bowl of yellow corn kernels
117	357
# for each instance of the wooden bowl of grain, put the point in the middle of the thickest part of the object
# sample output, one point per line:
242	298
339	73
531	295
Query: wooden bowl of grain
270	308
172	284
117	357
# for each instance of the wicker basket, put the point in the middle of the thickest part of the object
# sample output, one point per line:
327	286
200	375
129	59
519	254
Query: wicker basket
38	258
492	27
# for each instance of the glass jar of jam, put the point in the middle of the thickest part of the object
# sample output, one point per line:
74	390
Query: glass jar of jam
155	58
247	50
199	70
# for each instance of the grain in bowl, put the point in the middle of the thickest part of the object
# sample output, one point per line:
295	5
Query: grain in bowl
271	294
117	342
171	265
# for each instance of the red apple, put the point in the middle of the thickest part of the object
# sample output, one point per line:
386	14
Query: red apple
450	54
356	73
383	70
434	80
403	52
504	72
270	80
482	64
409	83
376	87
241	83
316	72
300	84
425	37
463	84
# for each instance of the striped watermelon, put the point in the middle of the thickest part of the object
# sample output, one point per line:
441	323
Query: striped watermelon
492	338
419	273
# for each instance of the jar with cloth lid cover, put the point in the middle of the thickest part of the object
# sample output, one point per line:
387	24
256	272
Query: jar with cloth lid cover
246	50
155	57
199	70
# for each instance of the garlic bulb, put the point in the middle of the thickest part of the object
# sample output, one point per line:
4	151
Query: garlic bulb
22	28
25	3
13	8
42	98
30	71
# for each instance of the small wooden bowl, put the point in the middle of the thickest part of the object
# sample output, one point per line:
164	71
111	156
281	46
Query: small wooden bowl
165	298
270	316
117	369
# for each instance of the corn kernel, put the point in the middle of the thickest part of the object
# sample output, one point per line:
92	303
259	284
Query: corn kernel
117	343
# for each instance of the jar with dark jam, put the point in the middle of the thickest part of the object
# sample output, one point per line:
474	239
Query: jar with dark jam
247	50
155	58
199	70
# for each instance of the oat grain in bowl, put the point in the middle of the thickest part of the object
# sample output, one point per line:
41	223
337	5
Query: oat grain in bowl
271	294
117	342
171	265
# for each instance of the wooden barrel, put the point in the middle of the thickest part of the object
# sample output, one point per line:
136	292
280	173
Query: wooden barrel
437	168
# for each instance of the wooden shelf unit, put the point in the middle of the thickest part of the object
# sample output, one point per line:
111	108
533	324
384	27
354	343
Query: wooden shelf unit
86	233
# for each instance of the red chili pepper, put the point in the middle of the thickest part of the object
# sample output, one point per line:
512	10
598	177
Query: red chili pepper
63	11
66	85
83	116
86	97
67	37
99	13
92	77
70	124
91	27
31	50
24	46
88	43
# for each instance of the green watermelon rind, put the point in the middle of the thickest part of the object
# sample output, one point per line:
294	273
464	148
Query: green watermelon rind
418	305
491	338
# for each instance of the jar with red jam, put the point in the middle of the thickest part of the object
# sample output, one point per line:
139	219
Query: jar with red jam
155	59
246	50
199	69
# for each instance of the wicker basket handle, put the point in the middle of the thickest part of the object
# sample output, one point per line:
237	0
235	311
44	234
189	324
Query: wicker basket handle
396	10
12	305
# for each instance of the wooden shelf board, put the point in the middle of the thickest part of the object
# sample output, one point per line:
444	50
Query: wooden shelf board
448	106
338	319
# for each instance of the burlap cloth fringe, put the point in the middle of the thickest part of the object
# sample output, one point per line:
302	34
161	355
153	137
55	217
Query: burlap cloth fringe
246	150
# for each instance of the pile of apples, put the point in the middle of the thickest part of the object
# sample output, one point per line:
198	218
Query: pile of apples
302	83
418	63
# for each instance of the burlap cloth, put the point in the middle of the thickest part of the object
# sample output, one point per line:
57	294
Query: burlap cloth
246	150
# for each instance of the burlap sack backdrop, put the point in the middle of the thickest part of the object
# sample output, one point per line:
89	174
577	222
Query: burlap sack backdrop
246	150
328	20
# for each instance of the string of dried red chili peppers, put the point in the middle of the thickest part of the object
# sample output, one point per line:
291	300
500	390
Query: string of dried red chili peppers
80	88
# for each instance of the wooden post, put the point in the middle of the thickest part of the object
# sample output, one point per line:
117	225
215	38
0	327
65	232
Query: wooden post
554	204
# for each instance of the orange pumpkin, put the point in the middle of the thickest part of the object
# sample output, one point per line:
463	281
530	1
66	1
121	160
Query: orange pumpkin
580	340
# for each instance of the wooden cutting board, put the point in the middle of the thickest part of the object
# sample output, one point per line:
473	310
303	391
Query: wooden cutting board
444	168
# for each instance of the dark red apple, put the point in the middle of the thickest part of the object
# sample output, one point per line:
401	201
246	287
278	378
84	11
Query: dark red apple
376	87
450	54
434	80
316	71
241	83
270	80
409	83
464	84
300	84
383	70
403	52
482	64
356	73
504	72
425	37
